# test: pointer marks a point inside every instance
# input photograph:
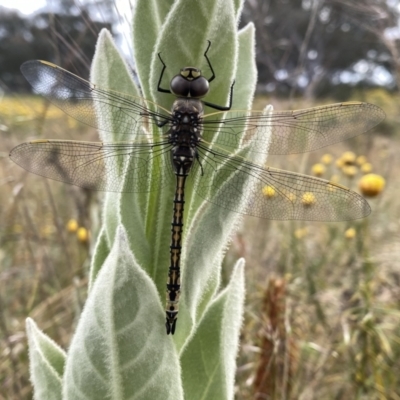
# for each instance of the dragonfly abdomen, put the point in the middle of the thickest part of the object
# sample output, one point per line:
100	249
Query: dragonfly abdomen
173	282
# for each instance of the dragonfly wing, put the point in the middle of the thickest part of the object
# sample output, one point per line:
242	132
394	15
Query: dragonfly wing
275	194
287	132
113	167
88	103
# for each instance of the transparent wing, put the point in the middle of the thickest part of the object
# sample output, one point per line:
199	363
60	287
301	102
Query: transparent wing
81	100
114	167
272	193
293	131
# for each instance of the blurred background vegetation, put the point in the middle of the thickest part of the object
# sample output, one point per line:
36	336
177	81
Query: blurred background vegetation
322	313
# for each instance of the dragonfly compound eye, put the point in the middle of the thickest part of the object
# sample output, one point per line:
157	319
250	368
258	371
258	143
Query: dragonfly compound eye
191	84
199	87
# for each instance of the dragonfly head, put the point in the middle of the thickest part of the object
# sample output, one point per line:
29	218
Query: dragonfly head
189	83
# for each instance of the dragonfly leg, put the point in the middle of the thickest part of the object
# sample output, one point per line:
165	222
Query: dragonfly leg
201	165
222	108
216	106
160	124
160	89
209	62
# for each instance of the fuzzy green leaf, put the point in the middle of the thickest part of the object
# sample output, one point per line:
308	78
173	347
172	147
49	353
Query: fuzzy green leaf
246	73
238	6
208	360
120	349
183	41
110	72
47	361
101	251
148	17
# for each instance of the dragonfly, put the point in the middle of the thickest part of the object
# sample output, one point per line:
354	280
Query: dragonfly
214	150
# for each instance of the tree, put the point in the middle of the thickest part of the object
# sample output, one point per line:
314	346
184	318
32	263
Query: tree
65	39
307	46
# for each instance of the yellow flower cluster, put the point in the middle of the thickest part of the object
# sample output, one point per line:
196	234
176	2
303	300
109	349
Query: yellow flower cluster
350	165
318	169
371	185
308	199
350	233
27	108
268	192
81	232
300	233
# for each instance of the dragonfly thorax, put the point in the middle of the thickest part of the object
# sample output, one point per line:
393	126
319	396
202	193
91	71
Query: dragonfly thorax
189	83
185	133
187	115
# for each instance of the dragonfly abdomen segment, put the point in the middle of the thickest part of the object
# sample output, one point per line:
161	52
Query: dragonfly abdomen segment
174	282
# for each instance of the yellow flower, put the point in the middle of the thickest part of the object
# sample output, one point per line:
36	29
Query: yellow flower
318	169
361	160
327	159
308	199
366	168
371	185
82	234
349	158
349	170
72	225
350	233
268	191
300	233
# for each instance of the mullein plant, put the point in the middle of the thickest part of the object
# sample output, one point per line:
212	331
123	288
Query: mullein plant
120	349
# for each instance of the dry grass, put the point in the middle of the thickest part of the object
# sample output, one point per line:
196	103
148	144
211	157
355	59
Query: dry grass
322	319
43	267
